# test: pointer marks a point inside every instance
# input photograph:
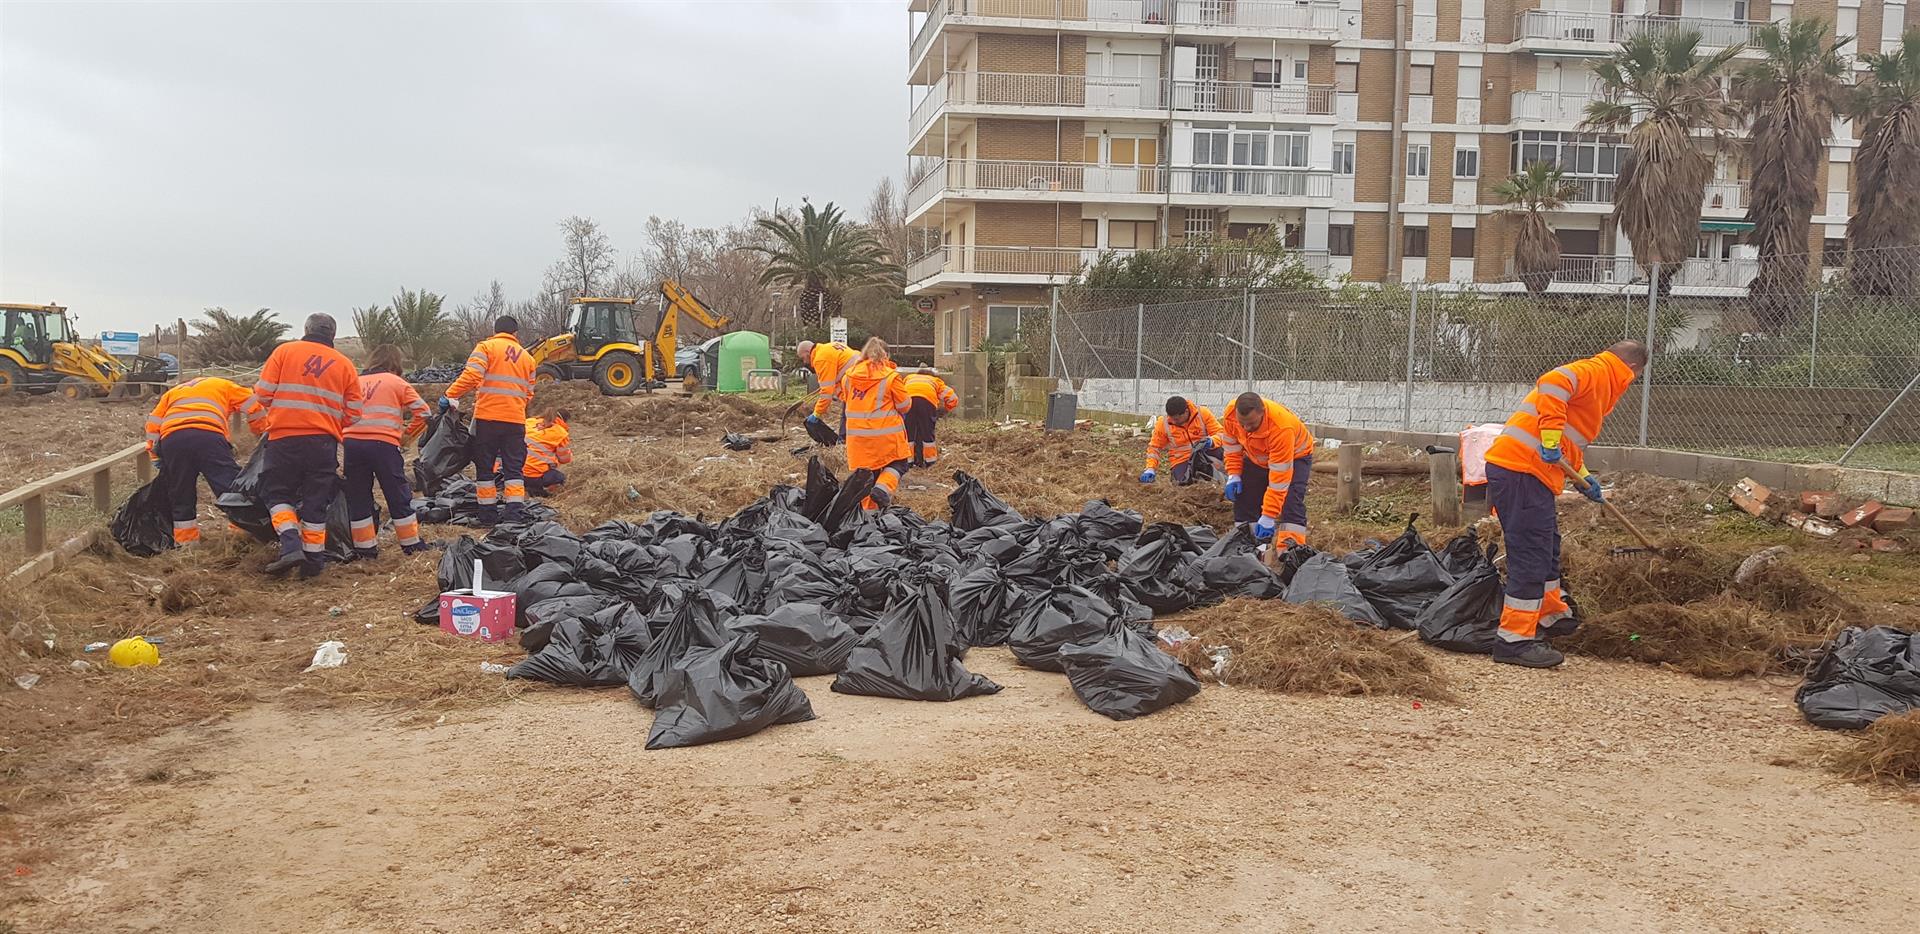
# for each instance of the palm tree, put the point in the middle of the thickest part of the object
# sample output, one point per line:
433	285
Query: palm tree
1792	93
1886	227
1530	194
236	339
374	325
1662	89
423	328
821	258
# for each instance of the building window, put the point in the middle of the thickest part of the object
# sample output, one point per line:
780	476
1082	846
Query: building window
1089	235
1463	241
1003	322
1415	242
1090	153
1346	76
1201	224
1739	11
1130	235
1343	158
1266	72
1466	163
1419	157
1299	69
1340	239
1290	150
1210	147
1420	79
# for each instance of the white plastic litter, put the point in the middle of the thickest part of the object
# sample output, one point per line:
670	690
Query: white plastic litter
1173	636
493	668
27	681
330	654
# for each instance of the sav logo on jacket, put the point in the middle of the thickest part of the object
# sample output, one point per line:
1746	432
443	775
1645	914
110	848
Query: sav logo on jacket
513	355
316	366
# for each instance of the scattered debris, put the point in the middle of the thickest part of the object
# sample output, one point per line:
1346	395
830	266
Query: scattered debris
1825	504
1893	519
1757	562
329	654
27	681
1863	514
1812	525
1751	496
1886	753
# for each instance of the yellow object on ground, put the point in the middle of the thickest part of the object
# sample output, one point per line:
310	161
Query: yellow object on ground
134	653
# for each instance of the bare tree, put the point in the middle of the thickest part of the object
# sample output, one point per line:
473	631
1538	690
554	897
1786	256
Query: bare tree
473	321
589	256
887	218
711	263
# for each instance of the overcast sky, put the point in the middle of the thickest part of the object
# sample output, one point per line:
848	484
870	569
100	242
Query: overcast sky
158	158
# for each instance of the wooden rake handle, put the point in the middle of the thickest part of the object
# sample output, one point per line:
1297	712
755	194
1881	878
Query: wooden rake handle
1645	542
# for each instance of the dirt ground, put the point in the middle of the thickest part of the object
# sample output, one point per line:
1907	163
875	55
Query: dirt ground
226	791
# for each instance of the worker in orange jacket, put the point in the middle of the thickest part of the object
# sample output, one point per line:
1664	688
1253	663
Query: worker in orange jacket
1190	438
188	438
1269	459
500	374
392	414
549	445
829	362
311	394
1526	470
876	401
931	398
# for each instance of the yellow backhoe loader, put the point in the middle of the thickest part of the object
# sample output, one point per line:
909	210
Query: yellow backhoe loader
39	353
602	342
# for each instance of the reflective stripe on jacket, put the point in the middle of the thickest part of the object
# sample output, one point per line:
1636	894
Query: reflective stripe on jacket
500	371
308	388
207	403
933	389
385	402
829	362
1281	439
1177	441
1572	399
876	401
547	448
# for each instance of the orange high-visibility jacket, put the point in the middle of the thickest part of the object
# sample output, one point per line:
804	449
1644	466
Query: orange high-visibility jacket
1281	439
207	403
502	371
547	448
385	402
308	388
876	401
1177	441
829	362
933	389
1573	400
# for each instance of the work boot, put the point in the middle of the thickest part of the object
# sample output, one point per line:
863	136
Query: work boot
311	567
418	547
366	554
290	553
513	512
882	498
1532	653
489	516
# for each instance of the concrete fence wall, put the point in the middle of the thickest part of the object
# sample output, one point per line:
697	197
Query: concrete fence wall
1357	404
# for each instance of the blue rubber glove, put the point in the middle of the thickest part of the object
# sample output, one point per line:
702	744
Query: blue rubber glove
446	402
814	420
1233	487
1263	530
1146	476
1550	455
1202	445
1592	490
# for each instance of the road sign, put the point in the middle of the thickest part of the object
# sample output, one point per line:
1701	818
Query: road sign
120	343
839	330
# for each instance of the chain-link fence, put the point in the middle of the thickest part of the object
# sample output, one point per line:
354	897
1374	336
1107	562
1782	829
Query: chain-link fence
1822	373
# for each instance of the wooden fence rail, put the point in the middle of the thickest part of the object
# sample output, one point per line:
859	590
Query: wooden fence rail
32	500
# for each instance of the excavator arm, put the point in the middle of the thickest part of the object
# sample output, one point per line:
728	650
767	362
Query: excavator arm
666	337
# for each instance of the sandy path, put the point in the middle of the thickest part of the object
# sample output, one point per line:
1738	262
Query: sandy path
1599	797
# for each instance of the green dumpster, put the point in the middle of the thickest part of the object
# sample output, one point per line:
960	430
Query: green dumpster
738	354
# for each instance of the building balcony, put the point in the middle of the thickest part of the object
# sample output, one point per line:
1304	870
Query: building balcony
1580	272
1020	180
1276	19
1565	32
1019	265
1723	199
1003	94
1558	108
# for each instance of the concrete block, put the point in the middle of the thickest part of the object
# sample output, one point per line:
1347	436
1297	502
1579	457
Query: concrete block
1678	465
1716	469
1864	514
1893	519
1771	473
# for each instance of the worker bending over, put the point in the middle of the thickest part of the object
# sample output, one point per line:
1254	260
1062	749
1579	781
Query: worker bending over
549	445
187	437
1269	459
500	374
876	403
392	413
311	394
1190	438
931	398
1525	472
829	362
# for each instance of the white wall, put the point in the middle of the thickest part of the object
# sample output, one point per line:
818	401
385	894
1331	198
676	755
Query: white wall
1438	407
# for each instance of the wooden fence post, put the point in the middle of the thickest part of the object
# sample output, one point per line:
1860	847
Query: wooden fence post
1347	490
35	508
143	467
103	491
1445	480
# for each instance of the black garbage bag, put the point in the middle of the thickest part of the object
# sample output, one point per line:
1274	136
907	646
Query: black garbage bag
589	651
997	543
1466	616
743	577
722	693
821	488
821	433
1125	675
1461	554
500	563
736	441
847	500
1066	560
982	602
1217	578
1864	674
1290	560
539	619
1402	578
144	523
1325	580
241	502
340	529
784	525
973	507
1114	589
795	574
1148	567
540	540
1056	618
1102	525
695	621
911	653
802	636
444	451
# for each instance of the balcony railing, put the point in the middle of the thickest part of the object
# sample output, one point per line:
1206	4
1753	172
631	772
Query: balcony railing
966	176
1550	106
1622	270
1063	261
1726	197
927	186
1608	28
1238	97
1252	182
1005	89
1317	17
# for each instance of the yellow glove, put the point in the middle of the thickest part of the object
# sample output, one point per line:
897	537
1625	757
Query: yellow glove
1550	437
1584	472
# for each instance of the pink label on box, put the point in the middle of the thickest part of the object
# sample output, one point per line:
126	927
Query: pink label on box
487	616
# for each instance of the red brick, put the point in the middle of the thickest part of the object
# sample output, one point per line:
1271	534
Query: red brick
1862	514
1893	519
1826	505
1888	546
1751	496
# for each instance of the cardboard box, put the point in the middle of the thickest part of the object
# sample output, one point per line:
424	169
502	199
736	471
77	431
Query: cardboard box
478	613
